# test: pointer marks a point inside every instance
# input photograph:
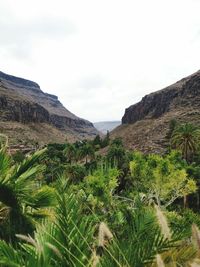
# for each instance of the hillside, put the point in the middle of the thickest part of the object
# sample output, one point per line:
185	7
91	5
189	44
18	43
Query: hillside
145	124
105	126
27	114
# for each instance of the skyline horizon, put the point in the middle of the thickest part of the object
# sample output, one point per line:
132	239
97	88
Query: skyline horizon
100	57
95	121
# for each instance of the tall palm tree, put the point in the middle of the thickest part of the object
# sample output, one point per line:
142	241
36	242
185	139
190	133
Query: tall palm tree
116	154
186	137
75	172
87	151
71	153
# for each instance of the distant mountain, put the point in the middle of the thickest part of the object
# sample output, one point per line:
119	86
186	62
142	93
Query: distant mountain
145	124
27	114
105	126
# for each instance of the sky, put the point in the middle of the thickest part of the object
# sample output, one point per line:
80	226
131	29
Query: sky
100	56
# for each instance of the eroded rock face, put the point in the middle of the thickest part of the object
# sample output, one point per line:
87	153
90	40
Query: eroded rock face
19	81
24	112
145	125
156	104
23	101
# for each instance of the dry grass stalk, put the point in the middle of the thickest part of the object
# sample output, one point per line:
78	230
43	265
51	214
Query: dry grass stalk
95	259
195	264
162	220
104	234
159	261
31	241
196	236
27	239
54	249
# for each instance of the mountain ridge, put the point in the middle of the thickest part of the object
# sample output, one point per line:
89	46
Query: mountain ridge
22	101
145	124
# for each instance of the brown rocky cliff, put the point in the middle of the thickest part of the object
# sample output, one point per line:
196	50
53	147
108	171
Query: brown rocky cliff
21	111
156	104
22	101
145	124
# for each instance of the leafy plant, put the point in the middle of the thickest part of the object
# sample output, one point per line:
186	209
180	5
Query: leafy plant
21	194
160	178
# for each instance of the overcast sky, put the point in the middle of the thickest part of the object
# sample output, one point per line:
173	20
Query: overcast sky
100	56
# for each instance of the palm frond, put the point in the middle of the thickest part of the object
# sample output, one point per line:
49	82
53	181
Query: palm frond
44	197
5	162
140	244
9	257
25	168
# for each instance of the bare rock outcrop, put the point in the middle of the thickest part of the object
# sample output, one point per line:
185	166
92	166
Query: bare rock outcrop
23	102
183	93
145	124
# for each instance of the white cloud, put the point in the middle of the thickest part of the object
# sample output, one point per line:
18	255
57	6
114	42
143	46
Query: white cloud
99	57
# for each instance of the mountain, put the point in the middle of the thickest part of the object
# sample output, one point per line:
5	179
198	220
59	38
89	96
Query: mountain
29	115
105	126
145	125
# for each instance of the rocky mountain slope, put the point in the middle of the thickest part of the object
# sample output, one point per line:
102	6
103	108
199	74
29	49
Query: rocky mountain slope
105	126
145	124
27	114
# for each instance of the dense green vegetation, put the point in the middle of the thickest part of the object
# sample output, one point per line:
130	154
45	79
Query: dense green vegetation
92	203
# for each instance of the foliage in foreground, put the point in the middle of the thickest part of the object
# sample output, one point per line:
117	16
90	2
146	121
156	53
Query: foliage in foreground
122	209
76	240
22	201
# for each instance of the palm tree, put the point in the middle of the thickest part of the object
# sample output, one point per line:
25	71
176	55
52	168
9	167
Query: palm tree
69	241
21	194
87	151
71	153
75	172
186	137
116	153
